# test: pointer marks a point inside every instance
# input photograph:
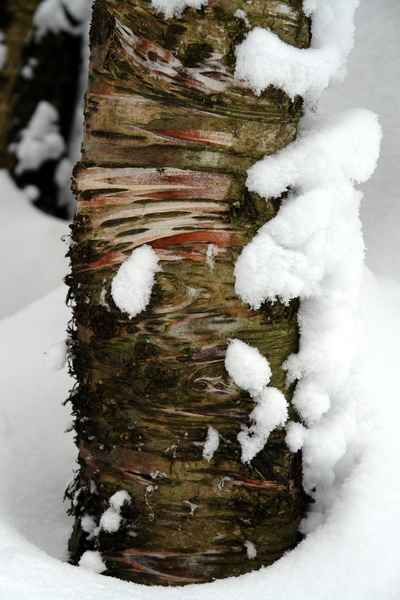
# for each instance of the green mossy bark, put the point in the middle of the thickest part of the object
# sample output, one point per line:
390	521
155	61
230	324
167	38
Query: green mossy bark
169	135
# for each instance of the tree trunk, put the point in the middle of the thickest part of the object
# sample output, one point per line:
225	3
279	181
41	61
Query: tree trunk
16	23
169	135
37	68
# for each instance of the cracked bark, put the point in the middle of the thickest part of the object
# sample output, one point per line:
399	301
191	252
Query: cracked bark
169	135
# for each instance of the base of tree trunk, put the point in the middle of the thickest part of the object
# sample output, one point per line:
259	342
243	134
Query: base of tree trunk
169	135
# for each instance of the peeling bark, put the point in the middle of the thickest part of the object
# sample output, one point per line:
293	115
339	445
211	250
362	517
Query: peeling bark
169	135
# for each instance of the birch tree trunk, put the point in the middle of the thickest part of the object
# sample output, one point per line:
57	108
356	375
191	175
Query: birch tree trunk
169	135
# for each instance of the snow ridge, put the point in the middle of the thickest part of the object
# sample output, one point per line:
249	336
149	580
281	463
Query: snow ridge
291	254
313	249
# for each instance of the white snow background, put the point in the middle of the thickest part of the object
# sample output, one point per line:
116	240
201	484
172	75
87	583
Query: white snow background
351	551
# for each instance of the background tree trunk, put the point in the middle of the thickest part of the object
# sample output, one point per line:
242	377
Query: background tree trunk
169	135
16	24
38	68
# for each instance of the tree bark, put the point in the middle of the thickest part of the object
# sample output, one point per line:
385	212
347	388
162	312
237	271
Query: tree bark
169	135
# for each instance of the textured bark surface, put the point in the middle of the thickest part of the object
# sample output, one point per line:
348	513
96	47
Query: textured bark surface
169	134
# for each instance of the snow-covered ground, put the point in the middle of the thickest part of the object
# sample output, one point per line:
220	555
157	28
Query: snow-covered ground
351	552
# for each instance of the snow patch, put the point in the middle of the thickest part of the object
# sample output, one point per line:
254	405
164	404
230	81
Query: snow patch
223	481
250	549
241	14
118	499
111	519
263	59
313	232
132	285
248	368
92	561
211	444
89	526
193	507
310	401
156	474
63	173
40	140
103	294
212	251
295	436
175	8
270	412
52	16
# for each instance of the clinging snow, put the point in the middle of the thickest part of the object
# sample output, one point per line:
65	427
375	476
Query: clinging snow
132	285
263	59
172	8
251	371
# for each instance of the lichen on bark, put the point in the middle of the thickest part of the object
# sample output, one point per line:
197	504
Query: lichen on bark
169	135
